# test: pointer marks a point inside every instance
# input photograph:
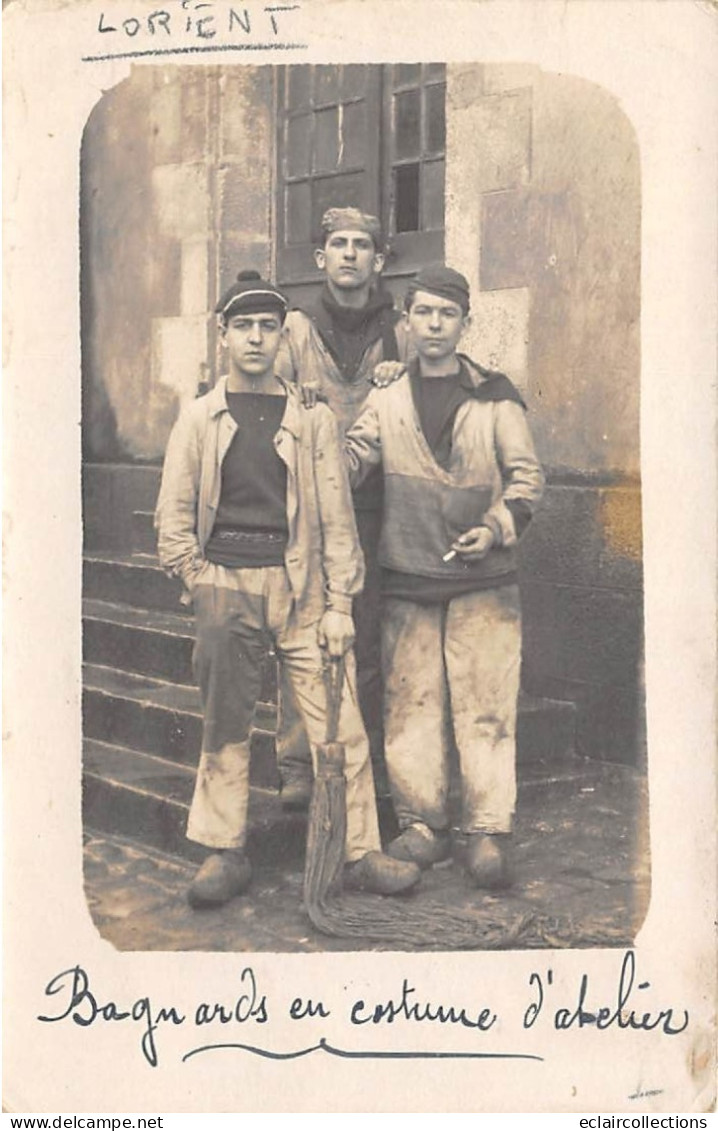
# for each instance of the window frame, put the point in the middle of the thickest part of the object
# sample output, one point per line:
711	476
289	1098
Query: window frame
408	250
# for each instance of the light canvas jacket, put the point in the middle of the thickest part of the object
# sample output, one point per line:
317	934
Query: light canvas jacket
303	356
323	559
427	506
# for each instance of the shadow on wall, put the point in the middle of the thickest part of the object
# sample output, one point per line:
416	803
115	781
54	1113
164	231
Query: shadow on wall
164	157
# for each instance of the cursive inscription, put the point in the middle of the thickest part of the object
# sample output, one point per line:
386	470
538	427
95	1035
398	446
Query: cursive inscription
625	1013
81	1004
406	1008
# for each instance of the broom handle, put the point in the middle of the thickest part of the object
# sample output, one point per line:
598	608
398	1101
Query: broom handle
333	681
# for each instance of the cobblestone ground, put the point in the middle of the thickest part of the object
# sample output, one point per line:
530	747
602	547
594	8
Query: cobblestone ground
581	861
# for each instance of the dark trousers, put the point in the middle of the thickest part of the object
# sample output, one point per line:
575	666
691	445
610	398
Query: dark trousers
293	752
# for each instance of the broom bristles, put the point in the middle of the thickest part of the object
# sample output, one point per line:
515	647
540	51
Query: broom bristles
367	916
410	922
403	923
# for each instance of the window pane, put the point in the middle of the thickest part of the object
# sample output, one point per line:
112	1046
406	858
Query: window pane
406	73
326	84
326	140
432	196
353	134
435	71
406	198
435	102
353	81
335	192
298	86
298	145
407	123
298	213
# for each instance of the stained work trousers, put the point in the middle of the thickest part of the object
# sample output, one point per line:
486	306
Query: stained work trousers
453	666
293	754
239	612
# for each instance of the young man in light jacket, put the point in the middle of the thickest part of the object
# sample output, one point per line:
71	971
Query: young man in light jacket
461	479
255	516
334	344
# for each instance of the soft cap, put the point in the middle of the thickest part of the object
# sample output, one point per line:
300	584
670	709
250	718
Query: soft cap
251	294
442	281
352	220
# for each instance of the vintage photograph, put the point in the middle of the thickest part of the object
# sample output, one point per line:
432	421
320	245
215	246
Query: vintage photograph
362	605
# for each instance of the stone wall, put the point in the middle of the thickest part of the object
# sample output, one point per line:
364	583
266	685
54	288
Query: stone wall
168	213
543	215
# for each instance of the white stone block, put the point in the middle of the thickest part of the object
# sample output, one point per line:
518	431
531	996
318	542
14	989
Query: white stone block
498	336
181	200
194	285
179	353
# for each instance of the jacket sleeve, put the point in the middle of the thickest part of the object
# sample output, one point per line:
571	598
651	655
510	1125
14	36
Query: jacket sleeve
341	552
286	364
362	442
521	474
176	513
296	360
406	351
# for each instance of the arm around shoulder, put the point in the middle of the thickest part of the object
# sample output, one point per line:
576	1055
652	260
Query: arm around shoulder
362	442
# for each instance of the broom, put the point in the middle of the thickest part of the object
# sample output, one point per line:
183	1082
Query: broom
414	923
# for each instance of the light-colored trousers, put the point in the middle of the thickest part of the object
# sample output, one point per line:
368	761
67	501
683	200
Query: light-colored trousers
239	612
453	666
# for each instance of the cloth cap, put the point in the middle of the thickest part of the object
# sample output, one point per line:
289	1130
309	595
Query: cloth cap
352	220
251	294
442	281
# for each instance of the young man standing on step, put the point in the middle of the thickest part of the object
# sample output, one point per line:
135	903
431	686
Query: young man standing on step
334	345
460	482
255	516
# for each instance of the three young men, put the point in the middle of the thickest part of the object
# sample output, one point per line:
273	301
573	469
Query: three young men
255	516
460	481
334	345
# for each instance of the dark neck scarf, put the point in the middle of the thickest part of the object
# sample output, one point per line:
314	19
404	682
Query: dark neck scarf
437	412
348	332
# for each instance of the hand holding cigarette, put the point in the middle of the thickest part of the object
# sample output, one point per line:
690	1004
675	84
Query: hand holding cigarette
472	545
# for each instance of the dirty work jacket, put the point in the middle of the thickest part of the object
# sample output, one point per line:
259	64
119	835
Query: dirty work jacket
426	506
303	356
323	560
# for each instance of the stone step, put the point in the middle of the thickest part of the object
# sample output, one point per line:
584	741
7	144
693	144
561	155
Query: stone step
545	734
155	717
144	536
111	492
164	718
148	642
130	579
147	798
137	640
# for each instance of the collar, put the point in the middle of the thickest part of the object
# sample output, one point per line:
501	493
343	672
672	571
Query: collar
350	318
368	322
217	404
482	384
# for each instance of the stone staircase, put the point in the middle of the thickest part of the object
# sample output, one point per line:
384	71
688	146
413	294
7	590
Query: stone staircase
141	711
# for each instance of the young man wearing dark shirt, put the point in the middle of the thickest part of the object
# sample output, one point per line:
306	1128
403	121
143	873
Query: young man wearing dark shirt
460	482
335	343
255	517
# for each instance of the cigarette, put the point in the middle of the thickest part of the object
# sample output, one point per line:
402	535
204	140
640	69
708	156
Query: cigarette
449	556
